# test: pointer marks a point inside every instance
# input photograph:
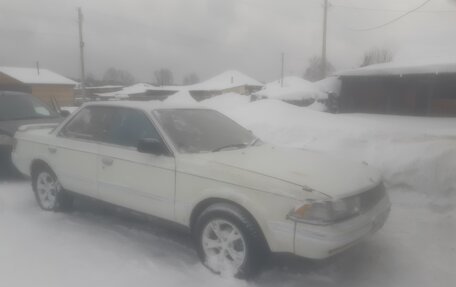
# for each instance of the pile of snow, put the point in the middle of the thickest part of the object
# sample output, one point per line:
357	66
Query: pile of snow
412	153
181	98
318	106
226	102
330	85
293	89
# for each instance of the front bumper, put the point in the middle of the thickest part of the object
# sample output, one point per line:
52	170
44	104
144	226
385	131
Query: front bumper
319	242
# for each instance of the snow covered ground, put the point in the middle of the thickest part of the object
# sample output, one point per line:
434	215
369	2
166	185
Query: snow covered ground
416	247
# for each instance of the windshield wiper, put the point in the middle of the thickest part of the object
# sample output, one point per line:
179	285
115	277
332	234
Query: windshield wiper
238	145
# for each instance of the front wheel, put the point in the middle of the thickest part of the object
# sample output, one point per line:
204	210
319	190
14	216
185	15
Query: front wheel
229	241
48	192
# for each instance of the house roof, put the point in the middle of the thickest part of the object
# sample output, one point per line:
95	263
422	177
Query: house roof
223	81
403	68
226	80
31	76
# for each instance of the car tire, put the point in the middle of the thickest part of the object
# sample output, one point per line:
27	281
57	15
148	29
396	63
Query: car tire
229	241
49	193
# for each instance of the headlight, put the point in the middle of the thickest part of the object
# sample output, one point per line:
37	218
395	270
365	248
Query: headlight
326	212
6	140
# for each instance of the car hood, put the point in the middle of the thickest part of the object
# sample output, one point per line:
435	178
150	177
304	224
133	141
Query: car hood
10	127
310	170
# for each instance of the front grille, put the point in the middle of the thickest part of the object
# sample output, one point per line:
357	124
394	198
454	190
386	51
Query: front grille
370	198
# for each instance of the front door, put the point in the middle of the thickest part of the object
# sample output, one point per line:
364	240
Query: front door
126	177
73	155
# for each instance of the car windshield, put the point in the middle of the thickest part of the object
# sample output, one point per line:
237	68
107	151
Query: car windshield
200	130
17	106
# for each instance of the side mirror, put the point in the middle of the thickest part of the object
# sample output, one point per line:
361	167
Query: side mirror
152	146
64	113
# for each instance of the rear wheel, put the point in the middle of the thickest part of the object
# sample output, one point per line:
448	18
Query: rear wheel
48	192
229	241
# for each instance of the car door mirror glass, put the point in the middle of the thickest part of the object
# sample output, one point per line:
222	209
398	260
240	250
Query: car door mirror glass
152	146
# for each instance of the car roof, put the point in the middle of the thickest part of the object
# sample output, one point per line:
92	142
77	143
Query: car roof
144	105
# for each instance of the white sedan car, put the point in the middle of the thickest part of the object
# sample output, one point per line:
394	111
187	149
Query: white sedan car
239	197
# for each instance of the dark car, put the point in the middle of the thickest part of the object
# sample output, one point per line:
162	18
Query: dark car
17	109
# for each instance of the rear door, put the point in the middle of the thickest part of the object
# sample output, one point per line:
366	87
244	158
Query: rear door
126	177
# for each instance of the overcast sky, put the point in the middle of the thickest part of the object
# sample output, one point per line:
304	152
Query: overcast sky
210	36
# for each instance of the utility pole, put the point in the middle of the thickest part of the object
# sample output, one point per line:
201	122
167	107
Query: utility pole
81	49
281	74
323	48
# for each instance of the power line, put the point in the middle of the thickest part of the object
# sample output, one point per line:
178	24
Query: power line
395	19
389	10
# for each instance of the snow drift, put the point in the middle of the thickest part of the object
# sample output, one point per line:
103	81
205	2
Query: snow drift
412	153
293	89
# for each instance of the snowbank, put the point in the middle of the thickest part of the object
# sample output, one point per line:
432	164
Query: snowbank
330	85
412	153
294	89
180	98
226	102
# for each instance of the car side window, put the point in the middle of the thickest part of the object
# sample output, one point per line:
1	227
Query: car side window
78	127
128	126
91	123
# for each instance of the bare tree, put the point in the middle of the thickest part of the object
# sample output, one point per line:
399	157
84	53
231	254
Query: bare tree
191	79
163	77
377	56
91	80
114	76
125	78
315	72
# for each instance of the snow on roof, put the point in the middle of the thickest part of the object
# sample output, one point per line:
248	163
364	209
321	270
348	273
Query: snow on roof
329	85
130	90
137	88
31	76
404	68
294	88
225	80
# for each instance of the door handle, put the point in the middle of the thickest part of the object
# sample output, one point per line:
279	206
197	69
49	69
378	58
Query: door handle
52	150
107	161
